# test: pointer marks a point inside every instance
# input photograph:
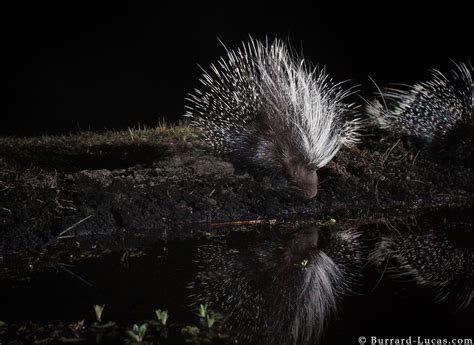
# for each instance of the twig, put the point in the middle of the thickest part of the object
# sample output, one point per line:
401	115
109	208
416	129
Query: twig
63	267
244	222
60	236
74	225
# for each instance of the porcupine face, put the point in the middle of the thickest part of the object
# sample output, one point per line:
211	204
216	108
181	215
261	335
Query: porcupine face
302	176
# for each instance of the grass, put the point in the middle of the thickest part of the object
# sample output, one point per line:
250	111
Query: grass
86	140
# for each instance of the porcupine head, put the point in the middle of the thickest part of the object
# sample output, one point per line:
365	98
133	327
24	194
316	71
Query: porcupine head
262	105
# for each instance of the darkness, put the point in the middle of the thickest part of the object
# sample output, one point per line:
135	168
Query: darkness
72	67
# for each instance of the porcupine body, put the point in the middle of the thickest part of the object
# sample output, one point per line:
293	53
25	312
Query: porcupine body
429	112
261	106
283	290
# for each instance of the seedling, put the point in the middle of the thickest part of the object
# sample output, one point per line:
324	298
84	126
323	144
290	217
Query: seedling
3	327
98	312
208	317
162	316
137	333
202	312
304	264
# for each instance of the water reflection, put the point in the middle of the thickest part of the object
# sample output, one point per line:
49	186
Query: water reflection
439	258
286	288
282	289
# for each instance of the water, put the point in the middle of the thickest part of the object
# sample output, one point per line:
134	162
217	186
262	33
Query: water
398	278
130	290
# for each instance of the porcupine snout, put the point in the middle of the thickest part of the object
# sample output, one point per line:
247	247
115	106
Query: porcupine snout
303	177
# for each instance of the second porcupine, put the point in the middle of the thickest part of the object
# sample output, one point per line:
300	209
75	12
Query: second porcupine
430	112
265	108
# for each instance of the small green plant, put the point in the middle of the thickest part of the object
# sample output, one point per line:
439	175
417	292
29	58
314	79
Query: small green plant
162	316
202	311
304	264
98	309
211	319
137	333
3	327
208	316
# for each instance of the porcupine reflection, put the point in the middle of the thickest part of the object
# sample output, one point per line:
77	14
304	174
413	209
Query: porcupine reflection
282	290
438	259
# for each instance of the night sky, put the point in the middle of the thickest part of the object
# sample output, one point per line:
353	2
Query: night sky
70	67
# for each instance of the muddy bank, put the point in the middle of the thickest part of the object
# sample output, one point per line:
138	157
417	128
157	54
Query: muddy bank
173	188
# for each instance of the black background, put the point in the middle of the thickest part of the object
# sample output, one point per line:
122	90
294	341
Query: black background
70	67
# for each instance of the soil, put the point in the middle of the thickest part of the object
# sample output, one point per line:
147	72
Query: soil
172	192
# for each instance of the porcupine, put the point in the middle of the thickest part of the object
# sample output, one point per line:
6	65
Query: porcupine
265	108
282	290
435	113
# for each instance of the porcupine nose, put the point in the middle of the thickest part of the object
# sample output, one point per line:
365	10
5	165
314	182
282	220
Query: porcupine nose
300	247
310	190
308	183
